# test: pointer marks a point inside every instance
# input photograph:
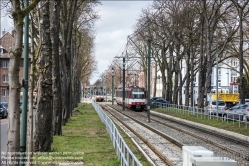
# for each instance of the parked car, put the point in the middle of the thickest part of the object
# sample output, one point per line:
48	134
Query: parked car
3	111
155	98
246	101
34	106
211	107
159	103
6	105
238	112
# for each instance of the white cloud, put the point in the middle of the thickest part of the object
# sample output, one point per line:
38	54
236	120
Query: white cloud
116	23
6	23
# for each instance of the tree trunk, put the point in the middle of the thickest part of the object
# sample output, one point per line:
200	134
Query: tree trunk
169	85
176	82
209	62
43	136
181	82
202	68
34	55
57	102
68	15
188	71
241	58
13	145
155	81
14	89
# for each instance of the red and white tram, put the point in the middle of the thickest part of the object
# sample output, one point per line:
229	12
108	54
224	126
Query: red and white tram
135	97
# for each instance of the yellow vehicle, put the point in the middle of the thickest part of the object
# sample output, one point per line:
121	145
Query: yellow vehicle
230	99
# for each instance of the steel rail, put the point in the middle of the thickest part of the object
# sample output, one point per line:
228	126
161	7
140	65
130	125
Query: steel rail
160	155
244	156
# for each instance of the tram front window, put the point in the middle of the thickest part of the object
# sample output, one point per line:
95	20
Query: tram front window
137	94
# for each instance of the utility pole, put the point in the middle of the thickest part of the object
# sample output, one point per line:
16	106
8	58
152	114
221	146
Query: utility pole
23	132
148	84
123	83
102	92
135	79
112	84
217	76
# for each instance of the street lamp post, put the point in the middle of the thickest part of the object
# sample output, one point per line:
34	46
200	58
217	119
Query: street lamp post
112	85
193	98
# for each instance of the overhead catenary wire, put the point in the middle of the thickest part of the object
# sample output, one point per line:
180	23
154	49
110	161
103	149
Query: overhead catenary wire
155	15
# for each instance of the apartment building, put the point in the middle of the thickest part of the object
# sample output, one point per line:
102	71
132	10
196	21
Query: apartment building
226	78
7	41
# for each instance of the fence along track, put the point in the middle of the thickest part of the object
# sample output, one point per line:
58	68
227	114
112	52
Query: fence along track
242	155
123	152
161	156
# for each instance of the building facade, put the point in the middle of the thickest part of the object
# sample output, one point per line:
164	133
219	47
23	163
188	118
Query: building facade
7	42
227	75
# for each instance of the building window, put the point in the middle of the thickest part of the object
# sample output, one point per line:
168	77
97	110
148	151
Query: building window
5	78
6	64
233	78
5	92
234	62
219	71
219	77
219	84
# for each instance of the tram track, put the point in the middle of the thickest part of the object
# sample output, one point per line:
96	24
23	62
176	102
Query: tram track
162	156
220	135
221	144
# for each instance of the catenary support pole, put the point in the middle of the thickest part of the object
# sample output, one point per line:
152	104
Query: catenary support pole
123	83
148	81
217	63
112	85
23	130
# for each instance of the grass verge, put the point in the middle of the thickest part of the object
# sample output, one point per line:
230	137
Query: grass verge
233	126
84	140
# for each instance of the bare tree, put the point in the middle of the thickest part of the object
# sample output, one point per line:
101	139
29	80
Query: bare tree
35	52
242	10
68	11
43	135
18	14
57	103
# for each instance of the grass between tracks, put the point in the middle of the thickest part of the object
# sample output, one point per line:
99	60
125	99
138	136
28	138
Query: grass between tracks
85	140
230	125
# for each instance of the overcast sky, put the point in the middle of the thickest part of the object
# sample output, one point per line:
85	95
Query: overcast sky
116	23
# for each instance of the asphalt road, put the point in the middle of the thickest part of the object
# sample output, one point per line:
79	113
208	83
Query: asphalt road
3	137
